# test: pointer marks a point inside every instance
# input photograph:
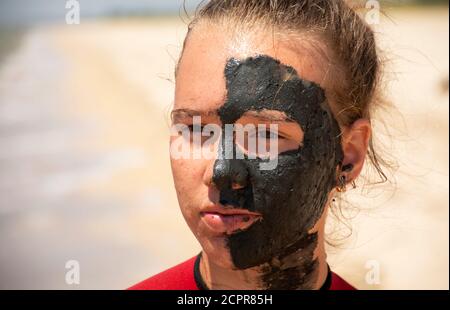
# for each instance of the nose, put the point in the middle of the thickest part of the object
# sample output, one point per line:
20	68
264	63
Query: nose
229	174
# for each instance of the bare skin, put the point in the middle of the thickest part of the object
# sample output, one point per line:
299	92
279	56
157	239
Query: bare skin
200	88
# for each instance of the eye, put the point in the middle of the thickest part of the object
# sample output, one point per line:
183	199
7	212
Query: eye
200	133
195	128
269	134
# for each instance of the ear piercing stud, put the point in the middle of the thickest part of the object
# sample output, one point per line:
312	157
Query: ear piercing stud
342	179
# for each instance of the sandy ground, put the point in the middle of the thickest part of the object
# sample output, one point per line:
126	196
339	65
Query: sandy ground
85	169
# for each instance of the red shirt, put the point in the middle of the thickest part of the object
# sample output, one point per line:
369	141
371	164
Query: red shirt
182	277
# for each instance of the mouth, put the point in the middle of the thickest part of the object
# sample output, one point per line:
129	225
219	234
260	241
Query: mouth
221	219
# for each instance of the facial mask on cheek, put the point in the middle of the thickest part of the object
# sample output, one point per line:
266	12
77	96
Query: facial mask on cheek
291	197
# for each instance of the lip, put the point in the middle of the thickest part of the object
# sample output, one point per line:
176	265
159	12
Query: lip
221	219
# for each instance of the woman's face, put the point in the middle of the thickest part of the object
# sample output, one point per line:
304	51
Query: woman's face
244	209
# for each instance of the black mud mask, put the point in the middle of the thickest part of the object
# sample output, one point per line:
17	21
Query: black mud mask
292	197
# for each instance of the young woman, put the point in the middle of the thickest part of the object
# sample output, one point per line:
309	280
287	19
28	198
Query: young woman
310	67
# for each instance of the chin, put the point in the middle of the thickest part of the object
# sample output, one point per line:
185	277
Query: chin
217	251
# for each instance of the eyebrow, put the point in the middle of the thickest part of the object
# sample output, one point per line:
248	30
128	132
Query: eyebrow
268	116
180	113
263	116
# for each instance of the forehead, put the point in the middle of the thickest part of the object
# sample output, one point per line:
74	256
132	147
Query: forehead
200	82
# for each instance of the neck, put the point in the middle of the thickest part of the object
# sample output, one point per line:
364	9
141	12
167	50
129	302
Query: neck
305	267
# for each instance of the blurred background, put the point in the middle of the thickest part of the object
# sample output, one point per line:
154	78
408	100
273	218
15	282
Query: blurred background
84	163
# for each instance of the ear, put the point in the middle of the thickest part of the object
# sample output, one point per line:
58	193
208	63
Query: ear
355	143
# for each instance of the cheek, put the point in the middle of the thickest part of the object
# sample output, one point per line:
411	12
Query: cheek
187	181
270	187
187	175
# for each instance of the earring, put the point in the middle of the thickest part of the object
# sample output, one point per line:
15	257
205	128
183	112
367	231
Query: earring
342	184
341	188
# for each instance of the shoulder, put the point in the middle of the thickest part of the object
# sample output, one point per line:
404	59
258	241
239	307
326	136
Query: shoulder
179	277
339	284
